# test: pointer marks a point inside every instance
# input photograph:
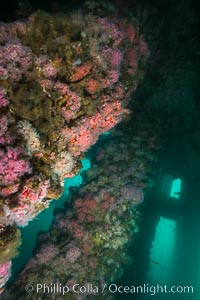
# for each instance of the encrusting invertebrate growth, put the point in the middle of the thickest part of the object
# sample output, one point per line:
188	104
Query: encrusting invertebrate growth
64	81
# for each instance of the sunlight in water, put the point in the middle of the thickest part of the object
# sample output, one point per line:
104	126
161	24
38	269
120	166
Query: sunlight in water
176	188
162	251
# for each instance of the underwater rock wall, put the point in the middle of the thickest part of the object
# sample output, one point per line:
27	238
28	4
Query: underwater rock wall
64	80
89	242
